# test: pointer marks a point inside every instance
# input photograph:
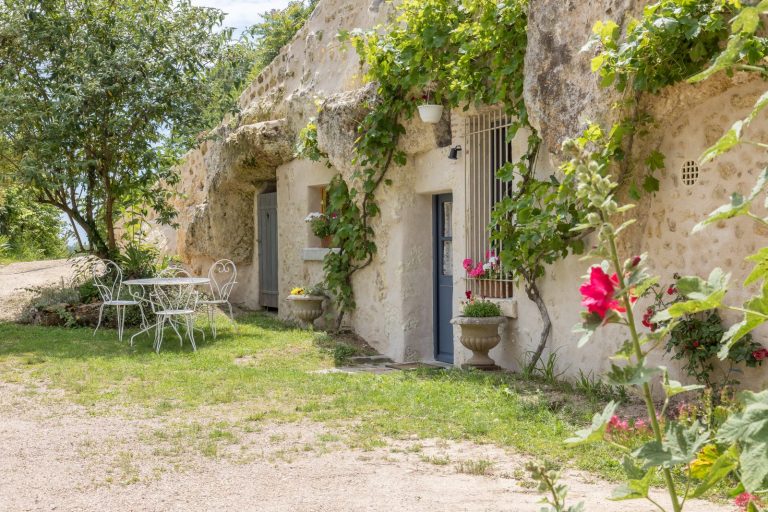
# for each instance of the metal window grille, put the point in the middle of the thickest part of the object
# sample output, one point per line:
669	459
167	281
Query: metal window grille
690	172
487	151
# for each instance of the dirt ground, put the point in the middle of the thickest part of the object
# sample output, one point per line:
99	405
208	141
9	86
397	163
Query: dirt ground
14	278
58	456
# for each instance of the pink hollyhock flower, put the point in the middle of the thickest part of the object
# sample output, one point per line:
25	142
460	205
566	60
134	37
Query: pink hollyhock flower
744	499
598	292
467	264
760	354
617	423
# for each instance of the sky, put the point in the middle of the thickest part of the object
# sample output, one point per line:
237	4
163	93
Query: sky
242	13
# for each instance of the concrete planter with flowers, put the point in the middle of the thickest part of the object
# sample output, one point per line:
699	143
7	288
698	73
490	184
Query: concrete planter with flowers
307	304
479	324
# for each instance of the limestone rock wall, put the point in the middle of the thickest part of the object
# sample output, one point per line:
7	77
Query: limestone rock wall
315	76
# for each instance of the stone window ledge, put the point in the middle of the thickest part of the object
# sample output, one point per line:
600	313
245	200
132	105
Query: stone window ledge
315	253
508	307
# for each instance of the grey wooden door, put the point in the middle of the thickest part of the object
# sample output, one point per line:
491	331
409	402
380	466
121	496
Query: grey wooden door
443	279
268	269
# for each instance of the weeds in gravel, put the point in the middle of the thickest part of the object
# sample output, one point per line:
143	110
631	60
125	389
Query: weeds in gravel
282	383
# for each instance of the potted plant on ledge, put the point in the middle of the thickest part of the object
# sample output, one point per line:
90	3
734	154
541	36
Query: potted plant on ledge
479	324
307	303
320	224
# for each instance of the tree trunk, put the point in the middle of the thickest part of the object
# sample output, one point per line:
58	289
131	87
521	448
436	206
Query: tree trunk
532	290
76	232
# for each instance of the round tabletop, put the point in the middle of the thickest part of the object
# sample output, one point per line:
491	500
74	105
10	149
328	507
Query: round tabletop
167	281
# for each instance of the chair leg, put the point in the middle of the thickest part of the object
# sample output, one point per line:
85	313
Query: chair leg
101	313
159	333
211	319
232	316
120	318
191	331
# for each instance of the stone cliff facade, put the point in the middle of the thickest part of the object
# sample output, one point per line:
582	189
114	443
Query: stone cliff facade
315	76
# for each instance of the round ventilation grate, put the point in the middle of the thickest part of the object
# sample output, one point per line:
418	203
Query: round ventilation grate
690	172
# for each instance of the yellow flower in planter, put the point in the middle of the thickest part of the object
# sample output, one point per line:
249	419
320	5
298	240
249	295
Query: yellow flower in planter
298	291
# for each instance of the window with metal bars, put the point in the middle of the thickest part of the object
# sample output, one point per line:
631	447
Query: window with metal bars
488	150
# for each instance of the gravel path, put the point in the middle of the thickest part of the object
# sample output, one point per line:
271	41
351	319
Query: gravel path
59	456
14	278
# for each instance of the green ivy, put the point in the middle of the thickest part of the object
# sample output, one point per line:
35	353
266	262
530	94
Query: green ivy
673	40
457	53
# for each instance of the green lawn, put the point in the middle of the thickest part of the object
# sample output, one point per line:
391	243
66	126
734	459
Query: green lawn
265	370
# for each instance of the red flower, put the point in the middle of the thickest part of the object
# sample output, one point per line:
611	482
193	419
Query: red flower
696	344
760	354
671	290
744	499
468	293
598	292
636	261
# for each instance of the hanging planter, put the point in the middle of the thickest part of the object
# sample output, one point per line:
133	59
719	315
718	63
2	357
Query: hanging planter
431	113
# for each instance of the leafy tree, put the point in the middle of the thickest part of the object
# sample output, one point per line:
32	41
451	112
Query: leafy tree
98	99
28	230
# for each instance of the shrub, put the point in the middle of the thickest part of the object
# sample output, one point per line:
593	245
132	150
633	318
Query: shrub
481	309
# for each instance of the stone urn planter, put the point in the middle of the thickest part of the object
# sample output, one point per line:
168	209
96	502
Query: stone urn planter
307	308
431	113
480	335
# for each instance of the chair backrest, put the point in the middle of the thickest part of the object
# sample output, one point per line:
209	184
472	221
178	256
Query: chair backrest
223	276
173	298
173	271
108	279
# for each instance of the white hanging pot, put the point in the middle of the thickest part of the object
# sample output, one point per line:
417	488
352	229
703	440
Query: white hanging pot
431	113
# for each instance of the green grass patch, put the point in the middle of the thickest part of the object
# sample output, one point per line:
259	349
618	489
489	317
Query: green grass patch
266	371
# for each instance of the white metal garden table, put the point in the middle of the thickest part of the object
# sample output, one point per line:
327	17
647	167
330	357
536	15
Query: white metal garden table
145	296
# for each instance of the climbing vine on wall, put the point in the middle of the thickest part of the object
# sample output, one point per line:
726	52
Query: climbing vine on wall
670	42
458	52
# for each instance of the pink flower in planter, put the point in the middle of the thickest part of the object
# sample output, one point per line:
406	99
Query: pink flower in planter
467	264
641	425
478	271
598	293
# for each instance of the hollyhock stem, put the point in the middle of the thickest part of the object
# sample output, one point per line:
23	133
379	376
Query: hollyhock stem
676	506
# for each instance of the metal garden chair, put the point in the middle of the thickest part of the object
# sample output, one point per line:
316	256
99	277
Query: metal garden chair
173	271
223	276
175	305
109	282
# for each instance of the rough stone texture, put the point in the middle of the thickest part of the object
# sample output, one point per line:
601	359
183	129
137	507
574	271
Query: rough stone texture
340	117
561	91
222	179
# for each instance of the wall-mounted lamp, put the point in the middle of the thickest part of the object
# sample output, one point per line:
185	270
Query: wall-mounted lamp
454	153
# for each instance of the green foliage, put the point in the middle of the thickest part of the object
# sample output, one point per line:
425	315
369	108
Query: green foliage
95	119
673	40
241	60
481	309
548	478
457	53
28	230
275	30
748	430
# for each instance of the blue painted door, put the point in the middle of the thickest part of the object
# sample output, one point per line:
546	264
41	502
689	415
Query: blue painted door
443	276
268	271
